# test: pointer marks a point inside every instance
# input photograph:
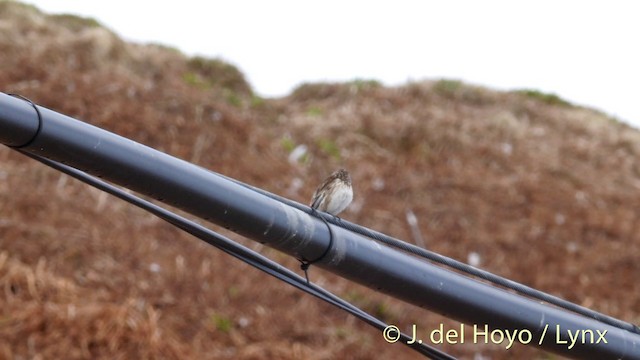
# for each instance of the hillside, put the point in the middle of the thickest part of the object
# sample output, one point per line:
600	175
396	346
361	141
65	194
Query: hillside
541	191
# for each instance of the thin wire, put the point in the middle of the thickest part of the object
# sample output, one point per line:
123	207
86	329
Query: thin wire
305	264
455	264
242	253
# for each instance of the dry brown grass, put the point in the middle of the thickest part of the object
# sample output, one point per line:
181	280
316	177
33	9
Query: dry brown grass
545	193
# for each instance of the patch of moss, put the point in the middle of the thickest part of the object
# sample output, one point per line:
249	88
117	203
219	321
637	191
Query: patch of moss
287	144
222	323
233	292
325	90
365	84
219	74
233	98
193	79
74	22
341	332
378	308
547	98
459	91
304	159
330	148
168	48
447	87
257	101
315	91
382	311
314	111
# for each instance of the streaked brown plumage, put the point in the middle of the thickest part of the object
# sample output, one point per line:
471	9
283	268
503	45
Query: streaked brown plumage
334	194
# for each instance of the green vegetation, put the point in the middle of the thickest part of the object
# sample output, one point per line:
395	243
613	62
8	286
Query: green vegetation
547	98
315	91
341	332
459	91
222	323
330	148
381	311
363	84
215	73
74	22
287	143
168	48
233	291
257	101
192	79
232	98
366	82
208	74
355	297
290	146
324	90
304	159
447	87
314	111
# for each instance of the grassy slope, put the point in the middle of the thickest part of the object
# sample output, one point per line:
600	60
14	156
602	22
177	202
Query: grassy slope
544	192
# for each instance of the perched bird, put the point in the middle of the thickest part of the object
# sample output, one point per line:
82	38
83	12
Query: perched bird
334	194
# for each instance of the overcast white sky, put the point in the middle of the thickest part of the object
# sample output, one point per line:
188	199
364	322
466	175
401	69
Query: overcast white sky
584	51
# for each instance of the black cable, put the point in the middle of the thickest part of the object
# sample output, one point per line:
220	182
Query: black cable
466	268
240	252
415	250
39	128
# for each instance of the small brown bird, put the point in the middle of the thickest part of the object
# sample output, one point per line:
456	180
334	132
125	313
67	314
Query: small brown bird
334	194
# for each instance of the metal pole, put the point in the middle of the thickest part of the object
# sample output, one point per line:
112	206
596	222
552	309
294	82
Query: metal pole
216	199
